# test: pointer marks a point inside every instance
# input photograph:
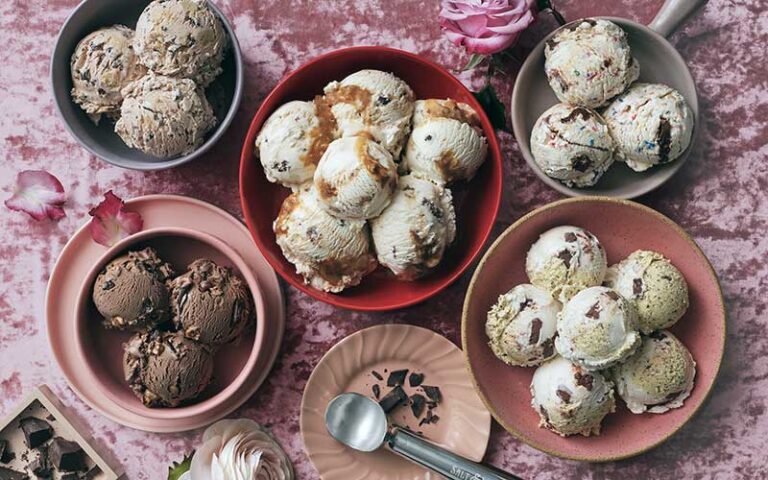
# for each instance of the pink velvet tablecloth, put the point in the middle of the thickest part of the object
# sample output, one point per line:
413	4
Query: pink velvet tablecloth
720	196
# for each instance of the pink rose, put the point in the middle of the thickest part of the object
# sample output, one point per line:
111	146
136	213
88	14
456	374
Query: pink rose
485	26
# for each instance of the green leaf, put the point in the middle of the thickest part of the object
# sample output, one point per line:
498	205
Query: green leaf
493	107
475	60
176	470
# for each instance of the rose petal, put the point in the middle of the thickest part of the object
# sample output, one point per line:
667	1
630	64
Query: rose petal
39	194
485	26
111	222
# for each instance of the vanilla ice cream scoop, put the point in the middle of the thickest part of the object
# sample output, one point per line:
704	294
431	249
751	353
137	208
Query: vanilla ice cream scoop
589	62
659	377
413	232
329	252
355	178
569	399
654	286
373	102
597	329
293	139
565	260
522	324
572	144
651	124
447	144
164	117
181	38
102	65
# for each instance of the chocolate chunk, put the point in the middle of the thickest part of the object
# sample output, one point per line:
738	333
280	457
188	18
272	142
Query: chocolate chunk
40	466
637	286
92	473
582	112
393	399
549	347
664	139
584	380
594	311
66	456
607	62
566	257
581	163
525	304
536	324
433	393
415	379
570	237
418	402
377	375
544	413
612	295
564	395
430	418
5	455
397	378
8	474
376	391
70	476
36	431
658	335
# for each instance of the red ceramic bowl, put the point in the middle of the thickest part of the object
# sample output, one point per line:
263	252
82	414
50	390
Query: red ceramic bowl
476	202
101	350
622	227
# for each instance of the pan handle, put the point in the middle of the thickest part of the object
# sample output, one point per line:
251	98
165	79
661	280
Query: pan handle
672	14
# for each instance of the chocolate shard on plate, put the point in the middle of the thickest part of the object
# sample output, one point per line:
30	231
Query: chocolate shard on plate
376	391
70	476
415	379
5	454
40	466
377	375
66	456
393	399
418	402
397	378
36	431
92	473
8	474
433	393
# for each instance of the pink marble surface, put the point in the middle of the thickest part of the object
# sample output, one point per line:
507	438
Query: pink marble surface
720	196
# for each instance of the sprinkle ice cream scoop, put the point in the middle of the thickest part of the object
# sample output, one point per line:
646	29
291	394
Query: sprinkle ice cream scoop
569	399
522	324
572	144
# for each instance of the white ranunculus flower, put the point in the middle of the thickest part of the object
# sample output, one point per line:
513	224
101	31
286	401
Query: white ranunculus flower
239	450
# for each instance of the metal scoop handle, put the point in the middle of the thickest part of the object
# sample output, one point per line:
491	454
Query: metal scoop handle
447	464
673	13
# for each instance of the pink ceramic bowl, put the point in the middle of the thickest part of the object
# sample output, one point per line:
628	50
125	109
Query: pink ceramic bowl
476	202
101	352
622	227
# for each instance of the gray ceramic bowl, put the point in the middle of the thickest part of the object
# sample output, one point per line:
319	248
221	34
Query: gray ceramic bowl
224	93
659	63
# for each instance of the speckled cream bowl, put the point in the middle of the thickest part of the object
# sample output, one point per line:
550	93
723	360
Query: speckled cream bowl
622	227
224	93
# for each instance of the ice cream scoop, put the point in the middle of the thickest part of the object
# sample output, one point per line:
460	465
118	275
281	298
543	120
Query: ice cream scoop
166	369
589	62
355	178
293	139
654	286
131	292
569	399
412	234
102	65
597	329
181	38
651	124
210	303
447	144
373	102
565	260
659	377
522	324
164	117
572	144
330	253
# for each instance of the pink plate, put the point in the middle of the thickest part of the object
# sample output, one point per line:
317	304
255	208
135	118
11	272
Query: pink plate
622	227
81	253
464	425
476	202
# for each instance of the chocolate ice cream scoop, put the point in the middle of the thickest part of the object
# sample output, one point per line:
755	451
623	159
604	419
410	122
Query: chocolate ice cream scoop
210	303
131	293
165	369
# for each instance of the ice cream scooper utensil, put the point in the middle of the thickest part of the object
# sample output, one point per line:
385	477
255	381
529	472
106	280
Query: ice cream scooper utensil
659	63
360	423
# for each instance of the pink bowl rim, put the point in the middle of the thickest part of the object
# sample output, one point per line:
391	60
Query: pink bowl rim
495	157
224	395
510	231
